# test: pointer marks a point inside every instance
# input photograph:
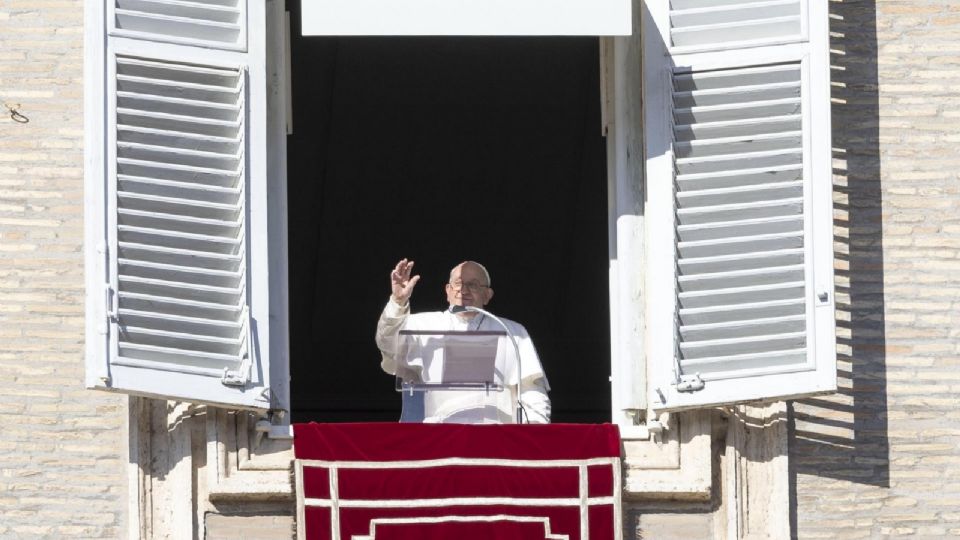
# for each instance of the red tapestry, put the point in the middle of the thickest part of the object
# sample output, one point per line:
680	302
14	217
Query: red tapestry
378	481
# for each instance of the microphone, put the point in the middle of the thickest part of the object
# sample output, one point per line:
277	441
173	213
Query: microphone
513	340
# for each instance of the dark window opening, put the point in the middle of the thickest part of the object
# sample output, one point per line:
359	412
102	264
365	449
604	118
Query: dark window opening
441	150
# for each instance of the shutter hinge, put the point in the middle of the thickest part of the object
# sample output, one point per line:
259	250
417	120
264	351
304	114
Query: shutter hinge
274	426
690	383
109	296
241	376
112	319
111	302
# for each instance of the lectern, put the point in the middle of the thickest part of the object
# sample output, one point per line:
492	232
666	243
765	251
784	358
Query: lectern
454	376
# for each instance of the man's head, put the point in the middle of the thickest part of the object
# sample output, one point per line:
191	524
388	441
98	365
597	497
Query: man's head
469	285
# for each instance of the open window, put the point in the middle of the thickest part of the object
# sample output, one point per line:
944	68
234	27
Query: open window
740	260
441	149
186	203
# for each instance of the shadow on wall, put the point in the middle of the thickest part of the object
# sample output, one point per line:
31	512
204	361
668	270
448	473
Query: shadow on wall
844	436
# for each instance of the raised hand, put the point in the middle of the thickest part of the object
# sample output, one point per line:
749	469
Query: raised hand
401	284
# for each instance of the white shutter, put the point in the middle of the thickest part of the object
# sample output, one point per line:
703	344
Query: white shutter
737	135
178	303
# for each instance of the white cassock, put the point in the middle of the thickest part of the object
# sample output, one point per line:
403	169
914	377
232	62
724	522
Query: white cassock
466	407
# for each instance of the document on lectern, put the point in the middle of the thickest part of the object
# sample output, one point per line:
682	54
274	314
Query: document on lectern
453	357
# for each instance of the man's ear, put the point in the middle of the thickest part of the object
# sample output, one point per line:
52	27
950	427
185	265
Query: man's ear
489	295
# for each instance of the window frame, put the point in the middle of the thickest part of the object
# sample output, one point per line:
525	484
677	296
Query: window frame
622	123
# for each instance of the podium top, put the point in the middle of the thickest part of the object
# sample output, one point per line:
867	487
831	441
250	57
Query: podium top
453	333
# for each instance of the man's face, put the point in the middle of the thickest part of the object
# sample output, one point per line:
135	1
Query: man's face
468	286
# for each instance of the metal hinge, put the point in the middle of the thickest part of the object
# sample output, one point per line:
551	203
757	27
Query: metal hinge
642	425
111	302
241	376
112	319
275	425
109	297
690	383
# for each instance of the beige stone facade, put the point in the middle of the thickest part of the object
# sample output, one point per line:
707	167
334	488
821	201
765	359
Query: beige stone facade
62	448
880	458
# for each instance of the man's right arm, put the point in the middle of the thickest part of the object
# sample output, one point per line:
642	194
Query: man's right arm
388	332
395	313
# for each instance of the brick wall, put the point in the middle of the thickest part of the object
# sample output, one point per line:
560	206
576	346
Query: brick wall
881	458
61	468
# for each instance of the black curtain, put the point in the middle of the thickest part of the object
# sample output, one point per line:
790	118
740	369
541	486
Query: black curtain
442	150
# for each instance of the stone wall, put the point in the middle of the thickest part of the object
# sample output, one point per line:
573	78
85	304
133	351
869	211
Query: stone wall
881	458
249	527
62	467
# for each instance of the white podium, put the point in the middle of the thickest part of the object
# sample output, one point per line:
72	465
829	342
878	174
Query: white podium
445	373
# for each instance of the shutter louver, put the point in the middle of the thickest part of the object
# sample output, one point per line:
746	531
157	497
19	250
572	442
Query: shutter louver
738	157
179	284
738	168
712	23
216	23
180	208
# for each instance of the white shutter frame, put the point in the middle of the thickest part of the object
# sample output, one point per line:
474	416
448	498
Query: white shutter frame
802	27
244	384
817	374
201	23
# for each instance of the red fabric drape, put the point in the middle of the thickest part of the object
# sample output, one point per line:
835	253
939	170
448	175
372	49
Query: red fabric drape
377	481
393	441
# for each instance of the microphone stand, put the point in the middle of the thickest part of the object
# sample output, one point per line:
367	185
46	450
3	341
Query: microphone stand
513	340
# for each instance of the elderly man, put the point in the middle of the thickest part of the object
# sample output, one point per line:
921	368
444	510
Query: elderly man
469	286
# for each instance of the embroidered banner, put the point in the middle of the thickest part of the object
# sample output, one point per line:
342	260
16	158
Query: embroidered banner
378	481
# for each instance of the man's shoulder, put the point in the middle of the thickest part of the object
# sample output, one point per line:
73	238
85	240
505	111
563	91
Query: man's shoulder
514	326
